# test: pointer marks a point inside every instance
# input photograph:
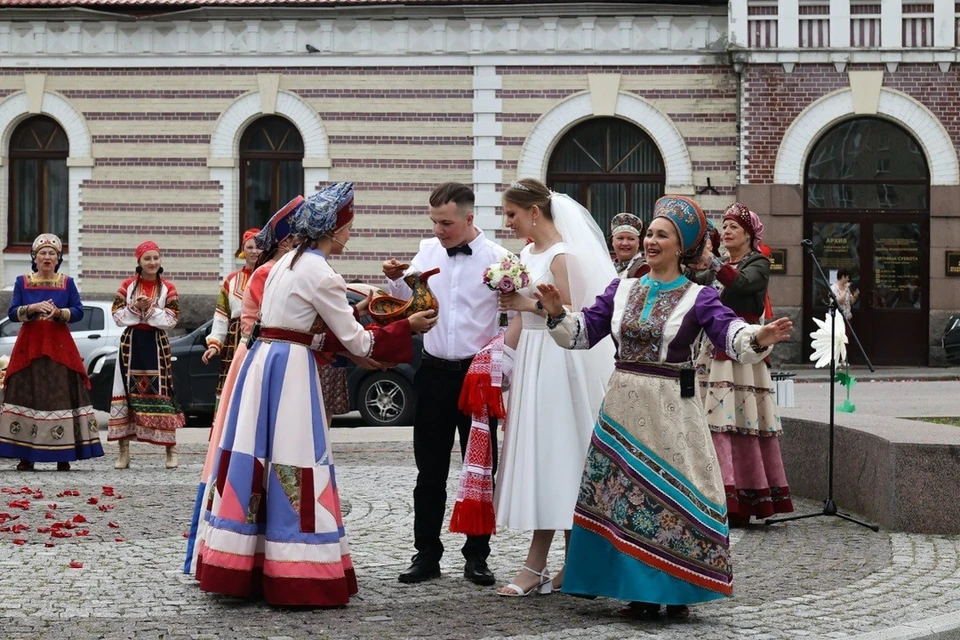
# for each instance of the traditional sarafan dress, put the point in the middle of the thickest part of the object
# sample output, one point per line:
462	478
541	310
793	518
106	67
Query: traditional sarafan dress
47	415
651	521
273	521
144	405
225	332
740	406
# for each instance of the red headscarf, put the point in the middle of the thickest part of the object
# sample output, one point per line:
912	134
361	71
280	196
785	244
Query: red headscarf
247	235
149	245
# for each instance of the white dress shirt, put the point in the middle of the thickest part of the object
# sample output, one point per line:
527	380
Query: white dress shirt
468	309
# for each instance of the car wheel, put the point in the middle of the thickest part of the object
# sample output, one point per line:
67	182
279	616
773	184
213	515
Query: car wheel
386	399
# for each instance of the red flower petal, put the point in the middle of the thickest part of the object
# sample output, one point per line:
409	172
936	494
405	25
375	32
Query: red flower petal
44	529
48	544
82	532
5	529
60	534
186	534
19	541
38	495
113	525
93	500
52	505
17	528
26	490
76	565
69	524
118	539
50	516
8	490
79	518
108	491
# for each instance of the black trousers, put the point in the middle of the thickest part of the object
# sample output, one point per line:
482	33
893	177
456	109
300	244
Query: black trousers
436	420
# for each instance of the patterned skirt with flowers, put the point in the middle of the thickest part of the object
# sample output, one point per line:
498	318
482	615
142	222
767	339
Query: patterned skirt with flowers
143	404
744	421
47	415
651	520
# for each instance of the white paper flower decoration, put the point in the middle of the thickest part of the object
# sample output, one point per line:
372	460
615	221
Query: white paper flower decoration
821	341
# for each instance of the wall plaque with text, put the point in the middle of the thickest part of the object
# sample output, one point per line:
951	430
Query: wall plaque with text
778	261
953	264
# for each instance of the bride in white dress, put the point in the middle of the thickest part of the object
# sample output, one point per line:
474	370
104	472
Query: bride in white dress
555	394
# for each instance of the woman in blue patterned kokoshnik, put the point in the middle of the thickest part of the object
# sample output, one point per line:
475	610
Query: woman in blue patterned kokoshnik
650	525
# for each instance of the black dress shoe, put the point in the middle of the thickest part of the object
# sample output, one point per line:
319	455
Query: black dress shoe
477	572
420	571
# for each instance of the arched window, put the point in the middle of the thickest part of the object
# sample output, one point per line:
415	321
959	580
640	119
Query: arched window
39	200
867	164
608	165
271	169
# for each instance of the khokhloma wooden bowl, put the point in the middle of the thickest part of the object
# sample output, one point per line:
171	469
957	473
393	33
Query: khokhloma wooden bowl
386	309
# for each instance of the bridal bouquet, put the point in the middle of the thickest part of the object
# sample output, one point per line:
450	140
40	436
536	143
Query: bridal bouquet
507	276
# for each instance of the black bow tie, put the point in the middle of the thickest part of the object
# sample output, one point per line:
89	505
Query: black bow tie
464	249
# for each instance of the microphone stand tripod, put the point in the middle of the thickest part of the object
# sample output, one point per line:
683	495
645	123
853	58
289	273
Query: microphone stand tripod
829	506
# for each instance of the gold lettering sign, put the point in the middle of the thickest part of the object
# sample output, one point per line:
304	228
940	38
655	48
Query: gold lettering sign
778	261
953	264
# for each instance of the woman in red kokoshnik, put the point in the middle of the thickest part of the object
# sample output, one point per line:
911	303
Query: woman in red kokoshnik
144	406
47	415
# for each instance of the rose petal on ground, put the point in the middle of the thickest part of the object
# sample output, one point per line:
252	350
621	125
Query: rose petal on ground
79	518
93	500
113	525
19	541
81	532
60	534
48	544
76	565
118	539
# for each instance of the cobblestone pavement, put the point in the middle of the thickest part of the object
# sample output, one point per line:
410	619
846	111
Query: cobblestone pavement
817	578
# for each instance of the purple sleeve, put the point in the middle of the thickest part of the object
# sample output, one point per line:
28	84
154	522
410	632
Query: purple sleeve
598	316
719	322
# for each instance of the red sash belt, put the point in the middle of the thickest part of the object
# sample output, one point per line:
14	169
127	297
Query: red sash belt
272	334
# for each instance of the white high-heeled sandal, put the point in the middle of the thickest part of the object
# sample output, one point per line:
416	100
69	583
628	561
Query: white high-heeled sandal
543	588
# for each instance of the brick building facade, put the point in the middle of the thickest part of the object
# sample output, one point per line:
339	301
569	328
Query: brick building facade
399	97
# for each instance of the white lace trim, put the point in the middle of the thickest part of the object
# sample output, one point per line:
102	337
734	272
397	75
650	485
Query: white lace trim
733	332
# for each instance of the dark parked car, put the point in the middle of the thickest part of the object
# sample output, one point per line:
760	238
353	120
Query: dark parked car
951	339
383	398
